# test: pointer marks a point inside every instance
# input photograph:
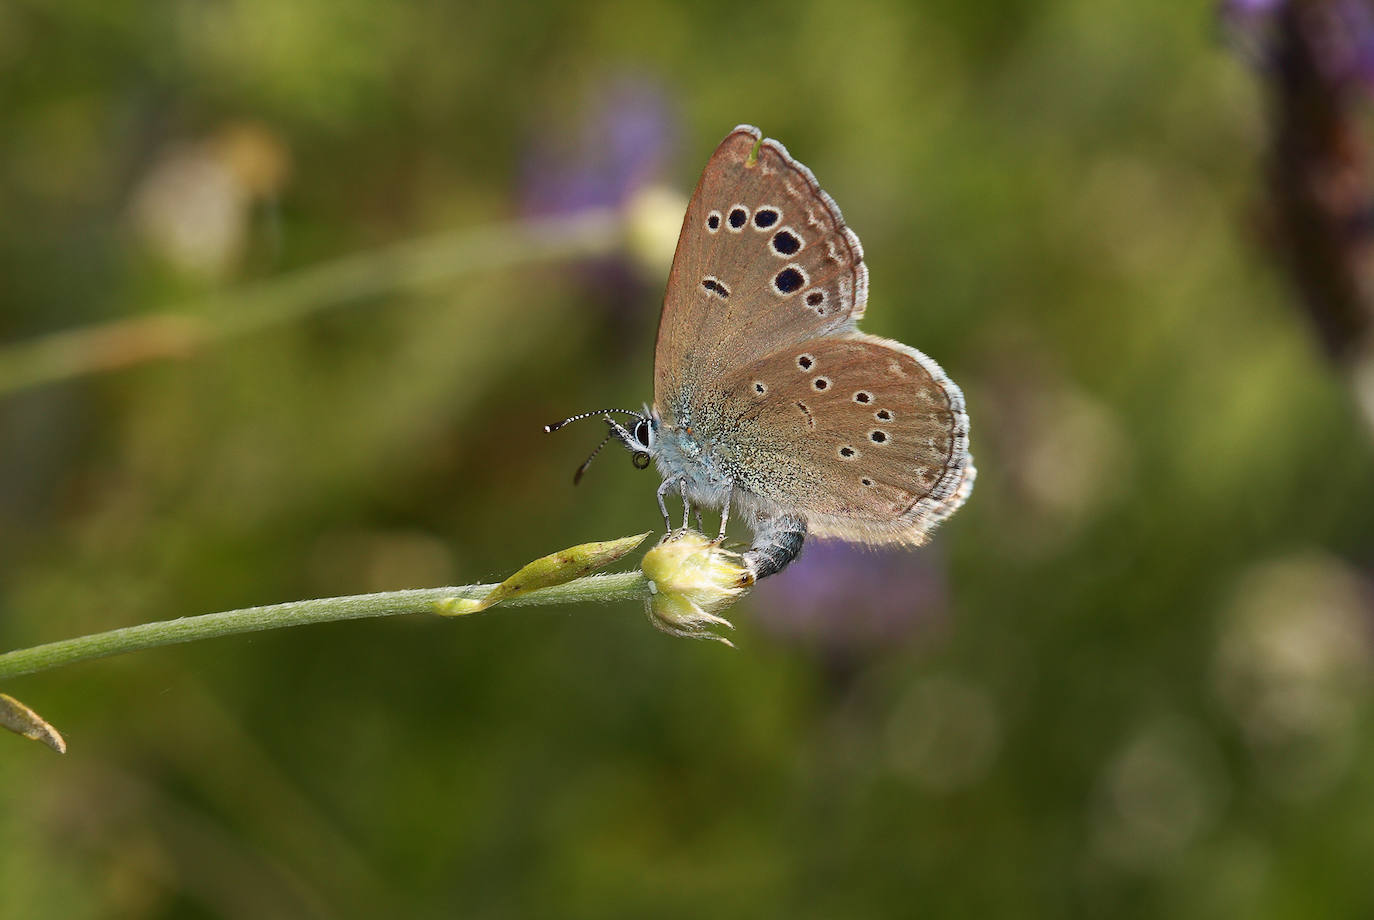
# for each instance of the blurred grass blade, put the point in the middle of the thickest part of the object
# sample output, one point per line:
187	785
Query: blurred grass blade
547	571
411	265
22	720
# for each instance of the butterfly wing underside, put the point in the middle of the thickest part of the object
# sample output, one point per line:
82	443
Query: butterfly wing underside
866	434
759	357
764	257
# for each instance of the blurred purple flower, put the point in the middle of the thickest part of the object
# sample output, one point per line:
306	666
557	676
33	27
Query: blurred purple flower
1248	26
844	600
1242	12
623	145
1340	34
1317	64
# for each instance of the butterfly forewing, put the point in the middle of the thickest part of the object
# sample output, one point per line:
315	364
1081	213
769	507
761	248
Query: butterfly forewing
867	434
764	257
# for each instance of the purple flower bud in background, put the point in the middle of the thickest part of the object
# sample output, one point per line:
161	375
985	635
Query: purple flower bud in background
1343	35
1317	62
622	144
617	148
1248	27
1241	9
1340	34
845	600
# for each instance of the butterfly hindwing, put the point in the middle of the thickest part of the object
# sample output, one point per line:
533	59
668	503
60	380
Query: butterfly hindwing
866	436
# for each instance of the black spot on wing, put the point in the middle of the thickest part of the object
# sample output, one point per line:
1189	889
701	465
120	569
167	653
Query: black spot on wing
788	281
786	243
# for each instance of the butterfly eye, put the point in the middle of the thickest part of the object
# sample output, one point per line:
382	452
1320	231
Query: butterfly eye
642	435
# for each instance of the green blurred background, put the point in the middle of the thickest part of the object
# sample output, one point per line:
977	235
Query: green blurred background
1131	678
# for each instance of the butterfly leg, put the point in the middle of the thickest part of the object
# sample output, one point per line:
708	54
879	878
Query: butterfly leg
777	541
662	506
725	512
686	505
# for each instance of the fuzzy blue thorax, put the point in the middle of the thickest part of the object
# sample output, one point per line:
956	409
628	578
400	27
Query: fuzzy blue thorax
700	469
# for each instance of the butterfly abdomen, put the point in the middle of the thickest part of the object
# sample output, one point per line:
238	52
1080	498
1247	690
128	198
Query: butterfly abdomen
777	541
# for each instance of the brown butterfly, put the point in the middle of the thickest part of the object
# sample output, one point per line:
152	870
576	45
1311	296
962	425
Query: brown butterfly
767	397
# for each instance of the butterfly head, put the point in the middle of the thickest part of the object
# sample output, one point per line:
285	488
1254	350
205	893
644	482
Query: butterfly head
639	437
641	441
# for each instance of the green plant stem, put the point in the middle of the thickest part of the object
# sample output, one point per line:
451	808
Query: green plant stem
616	587
407	266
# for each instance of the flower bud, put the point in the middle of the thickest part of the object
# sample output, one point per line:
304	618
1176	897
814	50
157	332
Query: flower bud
546	572
690	581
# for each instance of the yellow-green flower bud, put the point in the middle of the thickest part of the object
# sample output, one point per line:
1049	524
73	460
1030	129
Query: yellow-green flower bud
547	571
690	581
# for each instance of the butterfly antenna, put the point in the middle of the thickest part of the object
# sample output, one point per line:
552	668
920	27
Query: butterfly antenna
577	418
577	477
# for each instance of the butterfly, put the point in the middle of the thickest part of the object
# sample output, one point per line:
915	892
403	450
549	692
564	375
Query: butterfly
767	397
